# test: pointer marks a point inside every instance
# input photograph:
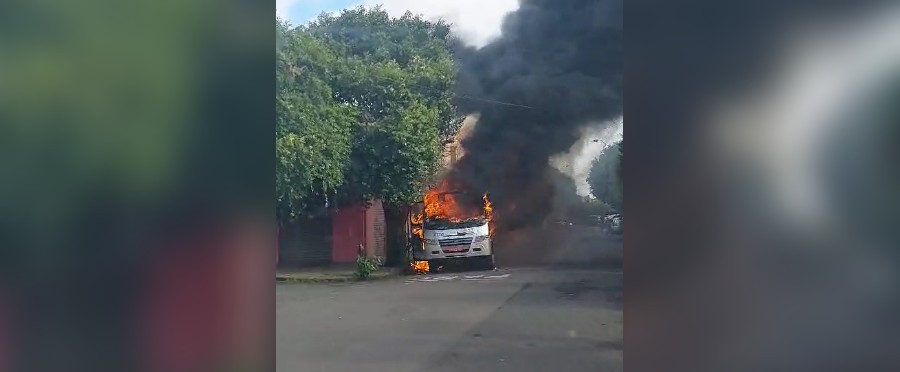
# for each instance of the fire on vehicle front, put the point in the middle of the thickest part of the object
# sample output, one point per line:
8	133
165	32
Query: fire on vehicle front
444	232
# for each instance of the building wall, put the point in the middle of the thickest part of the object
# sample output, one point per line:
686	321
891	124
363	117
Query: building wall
360	224
334	238
306	242
375	237
348	232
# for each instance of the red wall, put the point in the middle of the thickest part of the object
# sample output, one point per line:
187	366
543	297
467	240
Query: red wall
348	232
352	226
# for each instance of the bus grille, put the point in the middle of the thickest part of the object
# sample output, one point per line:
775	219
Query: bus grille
455	241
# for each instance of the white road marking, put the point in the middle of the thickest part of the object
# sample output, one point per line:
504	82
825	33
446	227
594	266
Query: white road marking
444	278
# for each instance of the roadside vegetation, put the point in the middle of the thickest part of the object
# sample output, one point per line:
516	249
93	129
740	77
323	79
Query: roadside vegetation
605	178
365	267
363	105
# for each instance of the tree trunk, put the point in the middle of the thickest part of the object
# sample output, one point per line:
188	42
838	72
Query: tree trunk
396	235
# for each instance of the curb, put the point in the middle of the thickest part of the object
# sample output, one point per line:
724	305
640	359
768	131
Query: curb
350	278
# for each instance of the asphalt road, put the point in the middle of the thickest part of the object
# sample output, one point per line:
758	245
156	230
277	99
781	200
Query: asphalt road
560	310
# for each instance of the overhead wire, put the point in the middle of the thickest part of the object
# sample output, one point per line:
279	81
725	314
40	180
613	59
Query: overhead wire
493	101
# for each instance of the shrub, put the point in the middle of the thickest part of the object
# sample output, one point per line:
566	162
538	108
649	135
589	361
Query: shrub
365	266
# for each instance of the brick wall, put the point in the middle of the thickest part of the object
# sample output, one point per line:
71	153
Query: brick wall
375	237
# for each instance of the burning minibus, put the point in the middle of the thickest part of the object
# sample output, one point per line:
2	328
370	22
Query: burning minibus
443	230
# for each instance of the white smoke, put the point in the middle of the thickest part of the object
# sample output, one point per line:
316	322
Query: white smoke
576	163
477	22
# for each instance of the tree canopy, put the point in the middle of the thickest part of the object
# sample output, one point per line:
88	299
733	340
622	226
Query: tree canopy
605	177
364	103
312	130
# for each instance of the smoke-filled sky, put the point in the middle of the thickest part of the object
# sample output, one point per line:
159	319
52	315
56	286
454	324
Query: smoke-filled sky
560	62
576	163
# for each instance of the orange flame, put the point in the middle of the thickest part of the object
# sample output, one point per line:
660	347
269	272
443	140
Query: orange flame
441	203
419	267
489	214
416	222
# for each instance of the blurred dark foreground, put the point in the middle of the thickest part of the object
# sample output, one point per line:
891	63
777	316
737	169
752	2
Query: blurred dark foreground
763	186
136	229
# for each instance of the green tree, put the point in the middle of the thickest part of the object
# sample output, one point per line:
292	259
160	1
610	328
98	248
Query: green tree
312	144
605	177
364	103
399	73
395	78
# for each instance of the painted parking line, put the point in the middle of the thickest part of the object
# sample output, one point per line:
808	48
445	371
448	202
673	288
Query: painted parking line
444	278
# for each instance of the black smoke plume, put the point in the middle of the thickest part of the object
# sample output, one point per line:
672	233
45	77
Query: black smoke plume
556	67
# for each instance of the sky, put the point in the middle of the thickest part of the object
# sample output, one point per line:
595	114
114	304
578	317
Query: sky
475	21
